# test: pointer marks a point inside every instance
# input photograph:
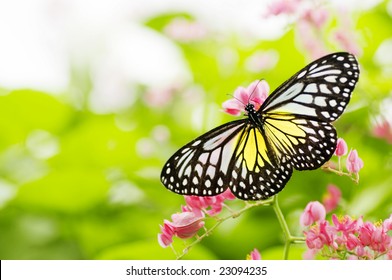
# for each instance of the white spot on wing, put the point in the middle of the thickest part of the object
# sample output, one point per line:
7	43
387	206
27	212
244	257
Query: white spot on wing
324	88
214	142
304	98
333	103
326	73
199	169
300	75
320	101
331	79
215	156
312	88
290	93
196	143
220	182
203	158
294	108
211	171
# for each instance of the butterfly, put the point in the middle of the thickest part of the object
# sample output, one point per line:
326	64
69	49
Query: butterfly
255	156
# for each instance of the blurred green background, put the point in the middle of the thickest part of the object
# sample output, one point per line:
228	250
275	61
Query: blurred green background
95	97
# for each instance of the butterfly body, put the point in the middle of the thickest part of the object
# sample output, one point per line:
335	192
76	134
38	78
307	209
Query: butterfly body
255	156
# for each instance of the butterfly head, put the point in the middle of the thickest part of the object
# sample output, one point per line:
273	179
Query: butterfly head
250	109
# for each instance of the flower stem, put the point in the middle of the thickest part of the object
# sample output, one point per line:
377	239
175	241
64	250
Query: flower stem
283	225
289	239
355	178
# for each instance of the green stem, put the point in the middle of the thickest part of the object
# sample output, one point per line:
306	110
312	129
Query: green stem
289	239
286	231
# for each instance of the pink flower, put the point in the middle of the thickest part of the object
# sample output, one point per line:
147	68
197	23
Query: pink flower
365	233
351	241
214	204
383	130
341	147
314	15
255	93
319	235
332	198
345	224
387	224
184	225
381	241
254	255
165	238
313	212
354	163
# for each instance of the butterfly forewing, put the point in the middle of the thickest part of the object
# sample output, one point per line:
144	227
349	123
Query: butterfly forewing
297	115
320	91
201	166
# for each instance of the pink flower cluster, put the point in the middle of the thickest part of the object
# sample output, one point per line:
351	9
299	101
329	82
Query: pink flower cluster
310	17
345	237
187	223
302	10
353	162
211	205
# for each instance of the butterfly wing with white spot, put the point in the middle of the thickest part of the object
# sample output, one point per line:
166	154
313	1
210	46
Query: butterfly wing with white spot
201	166
307	143
320	91
297	115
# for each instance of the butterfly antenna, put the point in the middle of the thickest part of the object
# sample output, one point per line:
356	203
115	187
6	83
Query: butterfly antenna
231	95
253	91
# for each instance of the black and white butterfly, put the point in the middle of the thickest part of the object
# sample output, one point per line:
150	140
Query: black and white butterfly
255	156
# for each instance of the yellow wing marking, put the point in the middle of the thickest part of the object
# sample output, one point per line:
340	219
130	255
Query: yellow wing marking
285	133
254	150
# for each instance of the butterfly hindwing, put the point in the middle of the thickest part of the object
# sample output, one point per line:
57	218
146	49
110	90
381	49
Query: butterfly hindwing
307	143
254	175
320	91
